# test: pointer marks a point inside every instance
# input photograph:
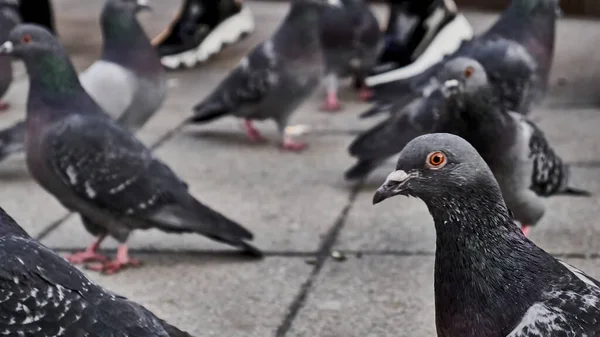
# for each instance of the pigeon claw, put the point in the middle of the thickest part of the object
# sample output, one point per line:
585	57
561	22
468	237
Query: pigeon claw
365	94
86	256
113	267
294	146
332	103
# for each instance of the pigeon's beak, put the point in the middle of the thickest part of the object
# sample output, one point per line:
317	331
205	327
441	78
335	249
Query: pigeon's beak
394	184
142	5
451	87
6	48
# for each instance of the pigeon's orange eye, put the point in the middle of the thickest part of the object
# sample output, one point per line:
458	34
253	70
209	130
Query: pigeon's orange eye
436	160
26	38
469	71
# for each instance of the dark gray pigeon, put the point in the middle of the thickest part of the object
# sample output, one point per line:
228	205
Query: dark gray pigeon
516	150
9	18
275	77
352	42
97	168
128	82
44	295
517	53
490	280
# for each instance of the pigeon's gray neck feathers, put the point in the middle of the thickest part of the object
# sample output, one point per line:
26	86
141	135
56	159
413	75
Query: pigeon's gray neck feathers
484	266
299	32
125	42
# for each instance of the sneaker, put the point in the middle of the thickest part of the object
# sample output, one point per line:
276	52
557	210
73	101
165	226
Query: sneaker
418	37
202	29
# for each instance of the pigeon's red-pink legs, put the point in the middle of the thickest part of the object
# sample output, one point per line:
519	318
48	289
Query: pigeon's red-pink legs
365	93
332	102
89	254
525	229
122	261
253	134
292	145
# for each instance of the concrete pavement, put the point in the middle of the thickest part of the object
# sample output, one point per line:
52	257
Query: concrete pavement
298	205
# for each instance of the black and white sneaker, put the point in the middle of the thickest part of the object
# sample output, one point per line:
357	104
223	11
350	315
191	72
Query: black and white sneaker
202	29
419	34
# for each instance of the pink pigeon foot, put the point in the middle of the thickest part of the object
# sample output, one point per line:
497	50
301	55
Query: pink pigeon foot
525	229
365	94
121	262
253	134
291	145
331	103
89	254
4	106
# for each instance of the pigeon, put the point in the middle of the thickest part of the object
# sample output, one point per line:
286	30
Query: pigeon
517	151
128	82
489	279
44	295
517	53
351	42
275	77
97	168
9	18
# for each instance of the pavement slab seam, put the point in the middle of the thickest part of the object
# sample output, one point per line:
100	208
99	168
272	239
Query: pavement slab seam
322	256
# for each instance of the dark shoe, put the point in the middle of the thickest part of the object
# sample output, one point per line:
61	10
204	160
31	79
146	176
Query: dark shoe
39	12
202	29
420	30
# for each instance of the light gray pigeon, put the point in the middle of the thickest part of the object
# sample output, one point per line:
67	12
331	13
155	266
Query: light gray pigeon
9	18
489	279
44	295
128	82
351	41
97	168
275	77
516	150
517	53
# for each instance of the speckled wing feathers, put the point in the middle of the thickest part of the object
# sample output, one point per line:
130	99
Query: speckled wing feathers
549	175
42	295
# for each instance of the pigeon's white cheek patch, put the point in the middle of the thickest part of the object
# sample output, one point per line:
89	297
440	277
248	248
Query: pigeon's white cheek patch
398	176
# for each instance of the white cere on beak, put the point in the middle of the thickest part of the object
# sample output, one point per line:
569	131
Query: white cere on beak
336	3
398	176
451	83
7	47
142	2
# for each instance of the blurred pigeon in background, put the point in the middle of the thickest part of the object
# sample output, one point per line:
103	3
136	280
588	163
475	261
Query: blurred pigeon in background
9	18
516	150
97	168
517	53
42	295
352	42
489	279
128	81
275	78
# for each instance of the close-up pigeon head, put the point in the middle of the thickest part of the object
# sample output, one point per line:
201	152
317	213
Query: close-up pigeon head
29	41
438	165
463	74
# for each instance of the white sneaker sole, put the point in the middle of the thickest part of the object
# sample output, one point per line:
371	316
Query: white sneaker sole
228	32
446	42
